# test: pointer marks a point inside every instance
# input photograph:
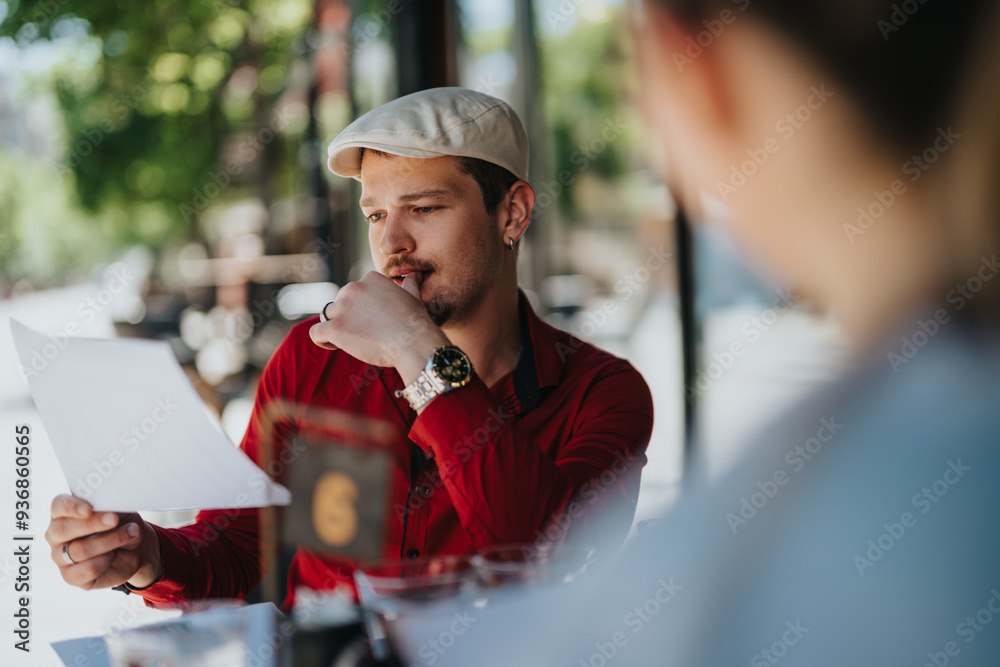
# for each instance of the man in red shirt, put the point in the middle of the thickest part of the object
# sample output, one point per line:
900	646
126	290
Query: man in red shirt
502	428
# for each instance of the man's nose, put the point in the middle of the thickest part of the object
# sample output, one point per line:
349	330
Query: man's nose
396	236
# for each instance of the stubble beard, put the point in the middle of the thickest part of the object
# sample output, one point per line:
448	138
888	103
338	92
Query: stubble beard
459	300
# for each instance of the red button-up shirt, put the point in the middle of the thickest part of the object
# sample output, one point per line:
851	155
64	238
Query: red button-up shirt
553	446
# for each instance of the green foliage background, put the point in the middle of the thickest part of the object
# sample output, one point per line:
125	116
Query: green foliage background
143	126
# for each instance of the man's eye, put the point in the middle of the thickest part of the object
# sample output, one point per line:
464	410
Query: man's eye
426	209
374	217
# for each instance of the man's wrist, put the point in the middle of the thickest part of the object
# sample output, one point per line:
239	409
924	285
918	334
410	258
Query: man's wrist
413	358
152	566
447	368
145	577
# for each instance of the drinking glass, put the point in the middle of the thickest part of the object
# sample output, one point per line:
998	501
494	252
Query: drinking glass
392	592
506	564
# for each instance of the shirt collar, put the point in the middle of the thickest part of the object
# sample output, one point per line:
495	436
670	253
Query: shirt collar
538	367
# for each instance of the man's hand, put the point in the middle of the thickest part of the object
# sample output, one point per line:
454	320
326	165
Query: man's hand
375	321
107	548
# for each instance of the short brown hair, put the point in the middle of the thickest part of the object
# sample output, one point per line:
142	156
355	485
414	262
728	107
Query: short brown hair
494	181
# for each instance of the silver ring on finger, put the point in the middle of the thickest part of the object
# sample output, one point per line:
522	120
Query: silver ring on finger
65	554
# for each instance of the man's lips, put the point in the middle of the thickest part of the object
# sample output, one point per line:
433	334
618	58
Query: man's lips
398	275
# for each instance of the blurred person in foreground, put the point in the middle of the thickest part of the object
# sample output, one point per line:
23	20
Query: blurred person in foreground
863	528
505	429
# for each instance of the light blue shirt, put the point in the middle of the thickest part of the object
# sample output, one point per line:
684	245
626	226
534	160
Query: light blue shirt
863	529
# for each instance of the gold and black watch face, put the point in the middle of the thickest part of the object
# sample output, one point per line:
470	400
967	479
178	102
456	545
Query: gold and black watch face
453	366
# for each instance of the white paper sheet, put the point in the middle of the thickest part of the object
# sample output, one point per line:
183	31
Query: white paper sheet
129	430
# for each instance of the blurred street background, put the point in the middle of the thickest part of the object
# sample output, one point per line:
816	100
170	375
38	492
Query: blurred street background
162	175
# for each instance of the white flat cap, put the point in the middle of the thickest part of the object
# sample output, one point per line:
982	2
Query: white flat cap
435	123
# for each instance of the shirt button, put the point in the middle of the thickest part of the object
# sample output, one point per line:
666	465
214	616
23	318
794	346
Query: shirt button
412	554
424	490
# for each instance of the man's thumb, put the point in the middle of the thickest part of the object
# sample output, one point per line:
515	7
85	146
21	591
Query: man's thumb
411	283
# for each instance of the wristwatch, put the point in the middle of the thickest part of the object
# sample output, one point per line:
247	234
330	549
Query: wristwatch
447	368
